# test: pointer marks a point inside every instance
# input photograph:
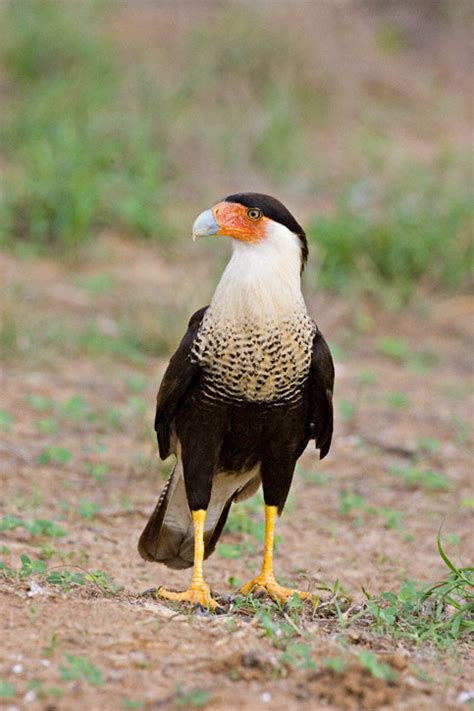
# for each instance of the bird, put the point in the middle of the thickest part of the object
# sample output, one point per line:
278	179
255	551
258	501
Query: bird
250	384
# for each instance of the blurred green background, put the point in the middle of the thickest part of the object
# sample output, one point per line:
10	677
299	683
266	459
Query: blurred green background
131	117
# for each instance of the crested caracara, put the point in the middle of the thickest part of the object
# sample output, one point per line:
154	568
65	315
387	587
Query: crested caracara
249	385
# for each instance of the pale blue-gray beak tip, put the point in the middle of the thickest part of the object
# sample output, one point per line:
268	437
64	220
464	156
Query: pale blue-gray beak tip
204	225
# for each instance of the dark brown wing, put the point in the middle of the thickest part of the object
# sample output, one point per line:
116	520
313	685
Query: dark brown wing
178	377
321	385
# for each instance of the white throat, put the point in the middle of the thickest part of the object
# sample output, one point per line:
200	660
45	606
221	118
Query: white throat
261	281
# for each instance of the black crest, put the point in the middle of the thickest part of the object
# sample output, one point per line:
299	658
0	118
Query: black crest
276	211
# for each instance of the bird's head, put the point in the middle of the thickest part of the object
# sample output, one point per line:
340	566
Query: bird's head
252	218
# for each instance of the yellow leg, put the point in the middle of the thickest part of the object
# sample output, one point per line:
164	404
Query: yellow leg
266	580
199	592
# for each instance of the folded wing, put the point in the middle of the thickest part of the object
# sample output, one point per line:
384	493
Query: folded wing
321	386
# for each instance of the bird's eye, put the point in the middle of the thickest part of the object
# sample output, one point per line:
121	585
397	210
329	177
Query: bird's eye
253	213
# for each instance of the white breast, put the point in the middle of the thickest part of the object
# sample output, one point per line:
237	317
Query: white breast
255	340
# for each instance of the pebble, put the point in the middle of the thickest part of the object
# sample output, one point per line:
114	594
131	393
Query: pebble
465	696
35	589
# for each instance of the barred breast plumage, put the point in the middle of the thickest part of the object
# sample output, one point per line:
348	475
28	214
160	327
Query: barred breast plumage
254	361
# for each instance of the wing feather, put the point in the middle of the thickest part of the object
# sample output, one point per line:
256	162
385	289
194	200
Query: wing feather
321	386
178	377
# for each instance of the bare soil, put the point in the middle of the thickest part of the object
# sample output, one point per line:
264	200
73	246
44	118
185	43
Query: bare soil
152	655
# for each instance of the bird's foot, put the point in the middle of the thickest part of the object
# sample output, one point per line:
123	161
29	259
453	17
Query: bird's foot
269	585
197	594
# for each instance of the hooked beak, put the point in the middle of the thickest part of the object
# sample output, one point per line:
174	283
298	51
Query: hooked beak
205	225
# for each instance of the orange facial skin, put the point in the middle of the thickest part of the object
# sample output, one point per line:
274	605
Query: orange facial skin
234	221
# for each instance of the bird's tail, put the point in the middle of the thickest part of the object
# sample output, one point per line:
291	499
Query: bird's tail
168	536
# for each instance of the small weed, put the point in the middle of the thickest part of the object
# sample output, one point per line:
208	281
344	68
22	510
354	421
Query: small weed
97	471
7	572
397	350
78	667
31	500
65	578
96	284
103	581
7	689
114	418
440	612
314	478
461	429
367	377
136	382
55	455
298	656
137	405
194	698
88	509
422	362
278	630
76	408
9	523
430	445
349	502
46	425
346	410
47	552
50	649
40	403
37	527
227	550
45	527
397	400
380	670
394	348
363	322
421	674
392	518
132	704
6	421
336	664
31	567
43	692
416	478
75	557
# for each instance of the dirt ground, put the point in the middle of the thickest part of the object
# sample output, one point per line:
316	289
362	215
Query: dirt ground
78	450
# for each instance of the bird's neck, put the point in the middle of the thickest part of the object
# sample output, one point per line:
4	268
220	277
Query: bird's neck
261	282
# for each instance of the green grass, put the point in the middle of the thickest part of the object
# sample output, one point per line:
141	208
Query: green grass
6	421
138	332
354	506
79	667
61	576
37	528
195	698
78	157
397	350
397	400
440	613
93	142
7	689
417	477
417	230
